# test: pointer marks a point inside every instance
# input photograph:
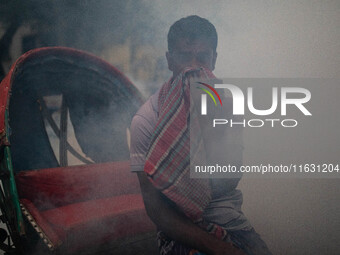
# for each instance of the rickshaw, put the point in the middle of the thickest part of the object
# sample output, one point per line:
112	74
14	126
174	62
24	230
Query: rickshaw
66	182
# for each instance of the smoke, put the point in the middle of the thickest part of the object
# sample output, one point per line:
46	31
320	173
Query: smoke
256	39
278	39
268	38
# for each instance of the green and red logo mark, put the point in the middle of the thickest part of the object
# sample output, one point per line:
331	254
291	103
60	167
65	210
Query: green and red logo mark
204	97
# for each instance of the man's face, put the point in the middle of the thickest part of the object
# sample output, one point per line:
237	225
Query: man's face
186	53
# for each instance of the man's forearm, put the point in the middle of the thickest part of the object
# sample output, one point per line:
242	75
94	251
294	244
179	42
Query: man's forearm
176	225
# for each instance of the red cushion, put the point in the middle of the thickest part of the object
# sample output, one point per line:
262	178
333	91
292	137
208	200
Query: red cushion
55	187
97	221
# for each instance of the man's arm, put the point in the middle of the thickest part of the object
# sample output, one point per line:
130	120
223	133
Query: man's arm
177	226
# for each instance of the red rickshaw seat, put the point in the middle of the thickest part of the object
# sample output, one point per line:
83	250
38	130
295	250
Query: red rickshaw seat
84	205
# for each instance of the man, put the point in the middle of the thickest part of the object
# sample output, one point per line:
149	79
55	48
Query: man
192	43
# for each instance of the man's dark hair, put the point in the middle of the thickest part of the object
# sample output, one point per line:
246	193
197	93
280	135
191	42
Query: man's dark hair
192	28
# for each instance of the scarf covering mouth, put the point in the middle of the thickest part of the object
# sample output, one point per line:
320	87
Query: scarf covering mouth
168	159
